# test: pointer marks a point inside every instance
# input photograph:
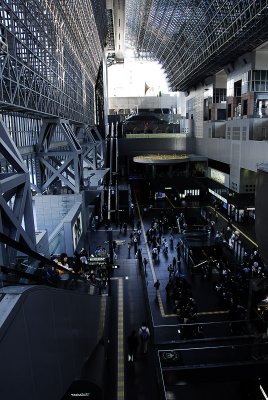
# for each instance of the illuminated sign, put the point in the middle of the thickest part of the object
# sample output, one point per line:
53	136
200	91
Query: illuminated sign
217	176
217	195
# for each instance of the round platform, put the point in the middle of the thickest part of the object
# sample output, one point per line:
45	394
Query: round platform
161	158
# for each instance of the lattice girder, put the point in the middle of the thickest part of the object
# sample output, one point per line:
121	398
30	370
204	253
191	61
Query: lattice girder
93	149
58	160
16	212
89	157
50	56
195	39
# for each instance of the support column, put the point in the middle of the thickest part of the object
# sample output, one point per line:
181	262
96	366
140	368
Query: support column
16	211
59	160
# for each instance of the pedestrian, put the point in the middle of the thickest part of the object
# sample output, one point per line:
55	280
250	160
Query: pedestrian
145	262
157	286
139	254
67	273
139	258
154	253
129	248
170	270
144	335
133	343
135	242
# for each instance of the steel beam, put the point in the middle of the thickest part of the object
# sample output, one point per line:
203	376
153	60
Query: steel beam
16	213
194	39
59	160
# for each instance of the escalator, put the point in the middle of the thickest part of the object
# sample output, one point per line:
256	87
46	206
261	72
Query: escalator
49	337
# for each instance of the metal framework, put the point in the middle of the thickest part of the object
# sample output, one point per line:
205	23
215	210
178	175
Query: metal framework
16	214
50	55
58	160
93	151
195	39
61	157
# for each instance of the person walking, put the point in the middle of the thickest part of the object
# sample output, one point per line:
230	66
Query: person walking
144	335
171	270
157	286
133	343
129	248
145	262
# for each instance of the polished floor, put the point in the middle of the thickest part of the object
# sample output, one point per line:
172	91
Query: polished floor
169	369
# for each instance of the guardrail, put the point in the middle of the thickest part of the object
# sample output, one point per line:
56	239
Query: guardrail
204	331
161	135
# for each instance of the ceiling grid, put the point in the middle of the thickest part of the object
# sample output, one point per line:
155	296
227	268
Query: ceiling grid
194	39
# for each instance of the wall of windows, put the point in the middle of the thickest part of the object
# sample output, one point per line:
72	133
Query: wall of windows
259	81
219	95
24	130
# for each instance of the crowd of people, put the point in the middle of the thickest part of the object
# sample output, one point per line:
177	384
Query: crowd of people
231	285
231	281
160	238
236	286
179	293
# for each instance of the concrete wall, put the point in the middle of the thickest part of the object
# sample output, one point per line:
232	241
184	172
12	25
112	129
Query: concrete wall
261	221
42	246
51	209
247	181
195	108
247	154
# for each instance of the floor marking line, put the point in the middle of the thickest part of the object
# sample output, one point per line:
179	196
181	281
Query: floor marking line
145	240
120	340
236	228
170	201
161	307
102	316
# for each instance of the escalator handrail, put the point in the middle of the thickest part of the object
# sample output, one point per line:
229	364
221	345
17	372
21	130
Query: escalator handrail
21	274
28	251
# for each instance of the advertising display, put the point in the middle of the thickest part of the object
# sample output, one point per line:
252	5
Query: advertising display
219	177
